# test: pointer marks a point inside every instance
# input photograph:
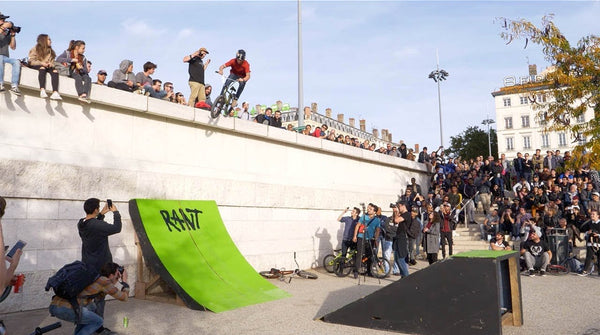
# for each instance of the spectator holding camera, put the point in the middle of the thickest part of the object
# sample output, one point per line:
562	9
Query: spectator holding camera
41	57
8	40
75	61
88	321
94	233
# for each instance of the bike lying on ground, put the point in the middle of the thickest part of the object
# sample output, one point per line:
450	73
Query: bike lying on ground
281	273
43	330
224	101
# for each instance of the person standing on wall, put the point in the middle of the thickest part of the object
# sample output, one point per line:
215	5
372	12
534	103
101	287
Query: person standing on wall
196	68
94	233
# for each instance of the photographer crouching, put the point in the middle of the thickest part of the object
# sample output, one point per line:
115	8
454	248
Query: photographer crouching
7	39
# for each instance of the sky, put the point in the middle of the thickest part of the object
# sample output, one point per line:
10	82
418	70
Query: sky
364	59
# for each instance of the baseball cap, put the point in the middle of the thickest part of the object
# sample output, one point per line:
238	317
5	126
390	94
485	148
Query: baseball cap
203	49
2	16
446	204
596	193
102	72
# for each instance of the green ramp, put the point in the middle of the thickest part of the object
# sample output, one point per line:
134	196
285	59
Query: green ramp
186	243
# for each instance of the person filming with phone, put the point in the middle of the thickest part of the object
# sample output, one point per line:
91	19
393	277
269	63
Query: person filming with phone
7	275
94	233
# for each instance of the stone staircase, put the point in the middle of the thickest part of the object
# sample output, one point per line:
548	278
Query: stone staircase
469	238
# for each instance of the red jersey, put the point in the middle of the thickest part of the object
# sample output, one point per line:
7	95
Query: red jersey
238	69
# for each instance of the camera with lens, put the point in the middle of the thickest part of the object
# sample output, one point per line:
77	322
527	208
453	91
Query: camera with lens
393	205
121	269
15	29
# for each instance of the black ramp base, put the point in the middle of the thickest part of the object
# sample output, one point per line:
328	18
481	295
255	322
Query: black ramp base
455	296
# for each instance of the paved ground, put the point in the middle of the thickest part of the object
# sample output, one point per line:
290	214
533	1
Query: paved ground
552	305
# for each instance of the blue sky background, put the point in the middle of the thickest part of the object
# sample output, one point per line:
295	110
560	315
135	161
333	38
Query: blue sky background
365	59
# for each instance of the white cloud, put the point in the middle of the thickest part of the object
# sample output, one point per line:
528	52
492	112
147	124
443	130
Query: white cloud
141	28
406	52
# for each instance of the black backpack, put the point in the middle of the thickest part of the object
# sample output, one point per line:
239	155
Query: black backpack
71	280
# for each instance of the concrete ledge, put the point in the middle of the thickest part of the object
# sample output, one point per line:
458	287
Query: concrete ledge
250	127
309	141
283	135
171	110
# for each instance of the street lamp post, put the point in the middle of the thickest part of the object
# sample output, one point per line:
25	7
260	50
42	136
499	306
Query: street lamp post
439	75
488	122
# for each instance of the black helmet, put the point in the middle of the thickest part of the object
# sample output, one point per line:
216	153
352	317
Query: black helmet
241	54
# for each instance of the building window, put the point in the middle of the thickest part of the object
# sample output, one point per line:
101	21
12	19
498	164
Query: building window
525	121
581	138
508	122
509	144
524	100
545	141
581	118
526	142
506	102
541	98
562	139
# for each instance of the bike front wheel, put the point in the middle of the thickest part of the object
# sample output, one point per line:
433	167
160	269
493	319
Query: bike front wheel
328	261
217	107
380	268
342	267
306	274
270	274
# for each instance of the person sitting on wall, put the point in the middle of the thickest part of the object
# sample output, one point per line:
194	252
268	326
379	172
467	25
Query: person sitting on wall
123	77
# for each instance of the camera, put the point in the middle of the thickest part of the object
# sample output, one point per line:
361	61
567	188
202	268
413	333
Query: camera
109	203
15	29
121	269
393	205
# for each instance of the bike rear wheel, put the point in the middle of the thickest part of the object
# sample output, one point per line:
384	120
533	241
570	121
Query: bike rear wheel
328	261
557	270
270	274
217	107
380	268
342	267
306	274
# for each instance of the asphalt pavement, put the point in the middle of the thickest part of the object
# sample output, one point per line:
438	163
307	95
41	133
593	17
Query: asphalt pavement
552	305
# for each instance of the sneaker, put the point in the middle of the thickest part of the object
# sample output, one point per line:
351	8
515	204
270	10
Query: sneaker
15	90
43	94
84	99
583	274
55	96
412	262
531	273
355	274
542	273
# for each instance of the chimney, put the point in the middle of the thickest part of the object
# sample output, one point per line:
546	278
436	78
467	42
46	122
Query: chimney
279	105
376	133
314	106
384	134
363	126
351	122
417	148
328	112
340	118
533	70
390	137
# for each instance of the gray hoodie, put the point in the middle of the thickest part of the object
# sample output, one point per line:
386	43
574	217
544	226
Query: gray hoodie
120	75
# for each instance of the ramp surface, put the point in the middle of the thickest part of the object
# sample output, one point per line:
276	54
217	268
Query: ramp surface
186	243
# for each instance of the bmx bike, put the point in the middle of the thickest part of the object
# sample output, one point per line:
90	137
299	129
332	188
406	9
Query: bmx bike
224	101
282	273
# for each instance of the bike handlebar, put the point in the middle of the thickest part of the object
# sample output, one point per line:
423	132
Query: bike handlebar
39	331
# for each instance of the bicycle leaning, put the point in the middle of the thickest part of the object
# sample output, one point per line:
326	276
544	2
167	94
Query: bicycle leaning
377	267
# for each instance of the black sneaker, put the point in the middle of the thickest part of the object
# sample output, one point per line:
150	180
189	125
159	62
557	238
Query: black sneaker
355	274
15	91
531	273
542	273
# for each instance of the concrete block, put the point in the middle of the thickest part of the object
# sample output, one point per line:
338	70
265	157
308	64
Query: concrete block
309	141
170	110
203	117
333	147
15	208
108	96
41	209
250	127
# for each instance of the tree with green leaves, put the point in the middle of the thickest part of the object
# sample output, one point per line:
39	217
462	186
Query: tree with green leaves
573	85
473	142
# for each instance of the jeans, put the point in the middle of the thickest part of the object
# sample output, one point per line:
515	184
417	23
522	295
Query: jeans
232	77
88	324
400	262
485	231
16	69
539	261
83	83
386	251
446	238
412	245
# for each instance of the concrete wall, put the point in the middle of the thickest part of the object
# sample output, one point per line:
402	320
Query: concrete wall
277	191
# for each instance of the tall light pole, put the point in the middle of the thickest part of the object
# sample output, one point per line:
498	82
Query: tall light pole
300	112
488	122
439	75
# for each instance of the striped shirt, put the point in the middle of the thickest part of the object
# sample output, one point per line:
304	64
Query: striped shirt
100	288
